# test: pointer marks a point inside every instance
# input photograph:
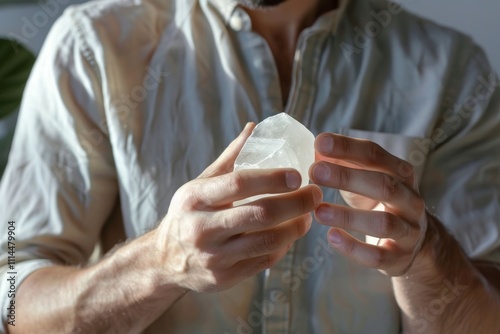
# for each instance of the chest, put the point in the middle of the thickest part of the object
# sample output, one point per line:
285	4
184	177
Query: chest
187	104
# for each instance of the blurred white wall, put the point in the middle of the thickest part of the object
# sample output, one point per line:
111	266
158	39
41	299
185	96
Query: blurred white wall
477	18
29	24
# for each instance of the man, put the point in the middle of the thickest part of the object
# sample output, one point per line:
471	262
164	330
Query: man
130	100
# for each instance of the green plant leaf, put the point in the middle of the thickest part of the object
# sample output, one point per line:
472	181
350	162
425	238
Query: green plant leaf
15	66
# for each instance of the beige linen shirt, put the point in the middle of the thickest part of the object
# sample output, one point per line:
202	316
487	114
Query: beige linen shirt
130	99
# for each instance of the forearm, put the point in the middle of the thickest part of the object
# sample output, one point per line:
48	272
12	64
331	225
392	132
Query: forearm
123	293
444	292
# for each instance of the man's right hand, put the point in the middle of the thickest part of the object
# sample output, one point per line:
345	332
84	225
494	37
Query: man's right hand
206	244
203	244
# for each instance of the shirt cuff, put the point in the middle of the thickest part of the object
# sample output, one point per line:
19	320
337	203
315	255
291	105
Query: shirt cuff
9	283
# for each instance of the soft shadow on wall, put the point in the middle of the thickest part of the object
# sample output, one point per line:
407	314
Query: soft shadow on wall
478	19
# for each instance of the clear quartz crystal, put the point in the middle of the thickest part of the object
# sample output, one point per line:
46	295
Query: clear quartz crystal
279	141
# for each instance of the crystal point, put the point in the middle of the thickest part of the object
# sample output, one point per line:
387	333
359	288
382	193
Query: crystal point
279	141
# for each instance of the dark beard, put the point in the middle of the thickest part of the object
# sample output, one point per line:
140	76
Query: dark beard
255	4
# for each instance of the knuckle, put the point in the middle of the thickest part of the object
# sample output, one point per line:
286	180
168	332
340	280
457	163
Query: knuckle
344	178
376	153
207	261
345	218
263	213
199	233
189	196
302	227
343	143
349	247
237	183
389	189
270	241
418	204
199	236
388	224
304	203
216	261
267	242
378	259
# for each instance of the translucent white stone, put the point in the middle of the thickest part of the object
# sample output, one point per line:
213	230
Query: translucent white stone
279	141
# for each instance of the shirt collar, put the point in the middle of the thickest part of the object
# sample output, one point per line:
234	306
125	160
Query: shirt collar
237	19
225	7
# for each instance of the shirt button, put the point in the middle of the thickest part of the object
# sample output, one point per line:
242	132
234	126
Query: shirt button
236	23
297	56
258	63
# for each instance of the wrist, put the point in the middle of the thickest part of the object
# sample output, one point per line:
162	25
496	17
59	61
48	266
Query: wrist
440	257
141	264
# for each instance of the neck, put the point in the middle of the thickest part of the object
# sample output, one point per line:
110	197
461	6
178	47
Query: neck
281	26
284	22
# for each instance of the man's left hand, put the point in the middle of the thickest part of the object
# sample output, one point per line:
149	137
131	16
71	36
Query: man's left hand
385	203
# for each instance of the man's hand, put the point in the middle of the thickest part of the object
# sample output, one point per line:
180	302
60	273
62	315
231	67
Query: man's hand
382	192
414	247
203	244
206	244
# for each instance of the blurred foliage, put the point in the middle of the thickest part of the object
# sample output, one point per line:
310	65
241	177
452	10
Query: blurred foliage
15	66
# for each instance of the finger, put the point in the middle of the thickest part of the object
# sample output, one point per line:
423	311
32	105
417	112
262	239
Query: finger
365	154
352	199
358	201
251	267
228	188
225	162
396	196
266	212
373	223
319	157
389	260
254	244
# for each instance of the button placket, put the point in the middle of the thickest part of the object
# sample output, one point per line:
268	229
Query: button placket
278	281
304	88
277	293
264	62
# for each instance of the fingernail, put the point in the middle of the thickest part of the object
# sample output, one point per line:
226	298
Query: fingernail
324	213
334	237
318	196
293	180
325	144
321	172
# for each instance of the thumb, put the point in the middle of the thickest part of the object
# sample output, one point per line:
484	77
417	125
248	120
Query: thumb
225	162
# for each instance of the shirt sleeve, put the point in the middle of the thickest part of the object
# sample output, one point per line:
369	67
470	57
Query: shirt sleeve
461	180
60	183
